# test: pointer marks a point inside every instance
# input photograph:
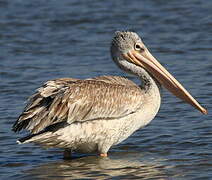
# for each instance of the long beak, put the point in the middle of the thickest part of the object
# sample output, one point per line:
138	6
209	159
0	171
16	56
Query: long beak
147	61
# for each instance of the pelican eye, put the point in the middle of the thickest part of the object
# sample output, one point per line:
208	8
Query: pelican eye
138	47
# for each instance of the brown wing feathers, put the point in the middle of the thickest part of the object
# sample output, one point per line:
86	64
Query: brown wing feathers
43	107
71	100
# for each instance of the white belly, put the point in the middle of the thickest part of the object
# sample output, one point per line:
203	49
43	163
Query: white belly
100	135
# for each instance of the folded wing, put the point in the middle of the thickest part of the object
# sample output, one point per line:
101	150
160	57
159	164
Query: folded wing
73	100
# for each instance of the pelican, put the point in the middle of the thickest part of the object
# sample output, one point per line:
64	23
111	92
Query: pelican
91	115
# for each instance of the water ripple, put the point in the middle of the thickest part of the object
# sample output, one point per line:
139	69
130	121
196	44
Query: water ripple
41	41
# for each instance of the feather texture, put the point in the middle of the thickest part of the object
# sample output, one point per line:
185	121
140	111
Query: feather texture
74	100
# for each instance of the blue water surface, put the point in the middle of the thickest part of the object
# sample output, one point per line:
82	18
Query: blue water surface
43	40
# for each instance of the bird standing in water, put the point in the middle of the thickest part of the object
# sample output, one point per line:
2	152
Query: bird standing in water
91	115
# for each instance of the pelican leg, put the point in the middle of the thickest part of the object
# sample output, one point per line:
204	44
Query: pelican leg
103	154
67	154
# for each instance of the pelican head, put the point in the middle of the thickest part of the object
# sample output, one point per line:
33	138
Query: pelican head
130	54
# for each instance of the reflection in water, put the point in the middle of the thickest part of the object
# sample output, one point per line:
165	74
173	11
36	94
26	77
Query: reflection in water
99	168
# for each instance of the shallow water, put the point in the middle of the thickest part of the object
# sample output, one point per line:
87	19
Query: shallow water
43	40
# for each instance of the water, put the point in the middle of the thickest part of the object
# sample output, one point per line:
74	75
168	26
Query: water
42	40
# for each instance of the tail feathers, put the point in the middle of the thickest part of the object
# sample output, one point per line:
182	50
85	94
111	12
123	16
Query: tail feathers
45	139
34	137
26	138
22	140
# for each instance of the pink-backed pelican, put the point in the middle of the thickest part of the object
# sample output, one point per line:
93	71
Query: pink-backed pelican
91	115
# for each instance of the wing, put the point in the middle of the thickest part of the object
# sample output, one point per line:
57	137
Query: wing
74	100
117	80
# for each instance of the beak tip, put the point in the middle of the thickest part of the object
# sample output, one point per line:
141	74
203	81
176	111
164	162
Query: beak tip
204	111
